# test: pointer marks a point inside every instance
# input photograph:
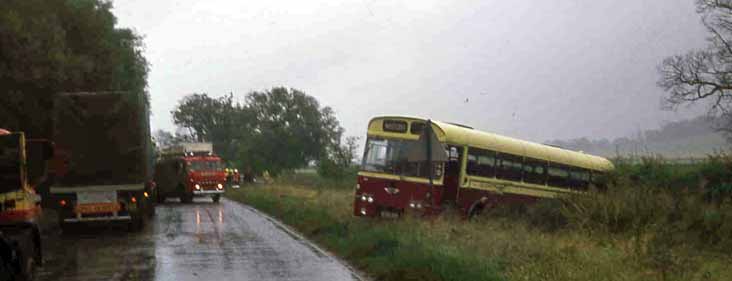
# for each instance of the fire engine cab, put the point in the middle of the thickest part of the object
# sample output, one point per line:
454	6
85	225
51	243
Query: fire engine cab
189	170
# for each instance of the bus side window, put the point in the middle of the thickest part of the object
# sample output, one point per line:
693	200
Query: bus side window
510	167
558	175
599	180
580	178
481	162
534	171
453	154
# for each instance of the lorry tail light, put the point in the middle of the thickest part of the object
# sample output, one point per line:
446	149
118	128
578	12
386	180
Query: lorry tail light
62	203
133	199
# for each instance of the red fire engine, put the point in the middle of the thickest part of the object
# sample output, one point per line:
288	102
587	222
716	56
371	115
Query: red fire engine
188	170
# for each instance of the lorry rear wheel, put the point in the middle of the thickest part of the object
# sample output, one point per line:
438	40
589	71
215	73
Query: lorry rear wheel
65	226
151	212
137	221
28	269
160	198
216	198
186	198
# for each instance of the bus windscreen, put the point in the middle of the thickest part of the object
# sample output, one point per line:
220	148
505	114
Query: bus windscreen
391	156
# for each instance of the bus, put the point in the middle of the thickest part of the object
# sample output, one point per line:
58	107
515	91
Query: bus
417	165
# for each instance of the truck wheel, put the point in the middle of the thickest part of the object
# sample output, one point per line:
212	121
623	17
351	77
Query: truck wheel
137	222
160	198
28	270
216	198
65	226
151	211
187	198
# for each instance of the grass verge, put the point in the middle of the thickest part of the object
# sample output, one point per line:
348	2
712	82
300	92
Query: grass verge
494	247
385	250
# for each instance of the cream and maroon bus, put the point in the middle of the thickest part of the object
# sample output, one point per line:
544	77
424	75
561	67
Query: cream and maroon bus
420	165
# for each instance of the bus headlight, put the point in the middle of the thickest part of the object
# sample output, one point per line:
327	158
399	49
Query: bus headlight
363	211
197	186
220	186
358	186
367	198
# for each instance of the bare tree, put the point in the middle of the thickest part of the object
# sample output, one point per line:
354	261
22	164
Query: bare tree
704	74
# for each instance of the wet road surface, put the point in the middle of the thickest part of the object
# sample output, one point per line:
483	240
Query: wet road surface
199	241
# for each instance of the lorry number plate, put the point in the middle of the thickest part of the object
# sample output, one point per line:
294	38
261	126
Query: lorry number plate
97	208
97	197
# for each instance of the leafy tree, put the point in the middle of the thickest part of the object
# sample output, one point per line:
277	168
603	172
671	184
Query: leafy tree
339	159
273	130
290	129
218	120
704	74
51	46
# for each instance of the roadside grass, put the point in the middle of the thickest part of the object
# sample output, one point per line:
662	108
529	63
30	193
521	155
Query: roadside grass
385	250
625	234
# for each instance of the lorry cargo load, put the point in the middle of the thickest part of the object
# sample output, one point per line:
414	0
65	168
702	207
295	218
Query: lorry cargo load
104	136
189	147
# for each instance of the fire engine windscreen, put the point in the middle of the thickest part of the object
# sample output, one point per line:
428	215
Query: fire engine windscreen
205	166
9	163
392	156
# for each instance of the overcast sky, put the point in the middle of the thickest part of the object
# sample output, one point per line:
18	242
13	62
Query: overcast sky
537	69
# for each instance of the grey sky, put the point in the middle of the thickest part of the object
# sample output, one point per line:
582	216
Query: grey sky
532	69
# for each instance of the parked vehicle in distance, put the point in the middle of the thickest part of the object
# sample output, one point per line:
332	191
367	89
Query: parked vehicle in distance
233	177
188	170
420	165
22	167
106	149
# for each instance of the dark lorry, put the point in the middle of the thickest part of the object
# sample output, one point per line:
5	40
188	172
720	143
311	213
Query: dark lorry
104	143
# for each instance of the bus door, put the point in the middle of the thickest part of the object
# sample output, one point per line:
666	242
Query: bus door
452	173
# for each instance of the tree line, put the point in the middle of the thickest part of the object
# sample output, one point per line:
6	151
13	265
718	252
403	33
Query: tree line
274	130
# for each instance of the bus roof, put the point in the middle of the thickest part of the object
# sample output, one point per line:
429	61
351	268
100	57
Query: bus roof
465	136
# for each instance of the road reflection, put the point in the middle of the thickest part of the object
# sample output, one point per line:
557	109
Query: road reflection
198	241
